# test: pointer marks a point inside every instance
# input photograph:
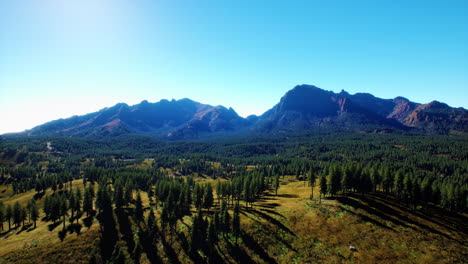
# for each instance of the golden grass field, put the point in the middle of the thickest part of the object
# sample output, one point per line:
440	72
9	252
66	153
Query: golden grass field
288	228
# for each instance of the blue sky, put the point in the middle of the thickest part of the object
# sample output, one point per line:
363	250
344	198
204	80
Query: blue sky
61	58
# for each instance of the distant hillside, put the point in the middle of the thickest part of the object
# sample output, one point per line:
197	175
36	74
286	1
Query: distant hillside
302	108
168	119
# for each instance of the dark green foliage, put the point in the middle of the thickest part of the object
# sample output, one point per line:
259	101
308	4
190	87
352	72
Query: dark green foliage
198	233
118	198
334	181
323	183
276	183
211	233
17	214
2	215
138	213
208	196
236	228
88	201
33	211
9	215
151	227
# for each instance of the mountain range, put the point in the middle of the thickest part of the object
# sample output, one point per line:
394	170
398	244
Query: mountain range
302	108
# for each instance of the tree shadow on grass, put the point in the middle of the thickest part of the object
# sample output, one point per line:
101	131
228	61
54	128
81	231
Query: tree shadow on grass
170	252
271	220
286	195
268	205
125	227
272	212
381	205
52	226
239	254
88	221
385	212
267	228
453	221
150	250
358	205
255	247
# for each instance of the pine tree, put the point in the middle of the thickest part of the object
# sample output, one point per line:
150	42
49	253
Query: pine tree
63	209
128	193
151	226
197	236
211	233
224	218
71	202
17	214
198	196
346	179
426	190
88	202
9	216
311	179
34	212
119	197
208	196
236	229
276	183
24	215
334	181
323	185
138	208
398	183
2	215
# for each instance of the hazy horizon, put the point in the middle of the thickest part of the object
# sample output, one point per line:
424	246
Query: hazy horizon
61	59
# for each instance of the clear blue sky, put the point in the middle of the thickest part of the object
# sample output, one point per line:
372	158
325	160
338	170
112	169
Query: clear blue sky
59	58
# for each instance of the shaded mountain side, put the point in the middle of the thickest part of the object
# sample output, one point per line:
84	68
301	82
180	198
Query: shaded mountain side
173	119
308	106
302	108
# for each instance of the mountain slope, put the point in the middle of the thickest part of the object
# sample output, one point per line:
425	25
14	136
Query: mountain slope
173	119
304	107
307	106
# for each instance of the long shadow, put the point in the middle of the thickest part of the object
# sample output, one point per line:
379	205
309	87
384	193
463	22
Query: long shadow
268	205
109	233
183	241
239	254
267	232
52	226
213	255
271	220
439	216
150	250
170	252
38	196
272	212
382	213
367	219
88	221
255	247
22	229
386	212
125	227
386	208
287	195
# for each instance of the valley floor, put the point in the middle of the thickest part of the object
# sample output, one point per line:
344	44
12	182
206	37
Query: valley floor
283	228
